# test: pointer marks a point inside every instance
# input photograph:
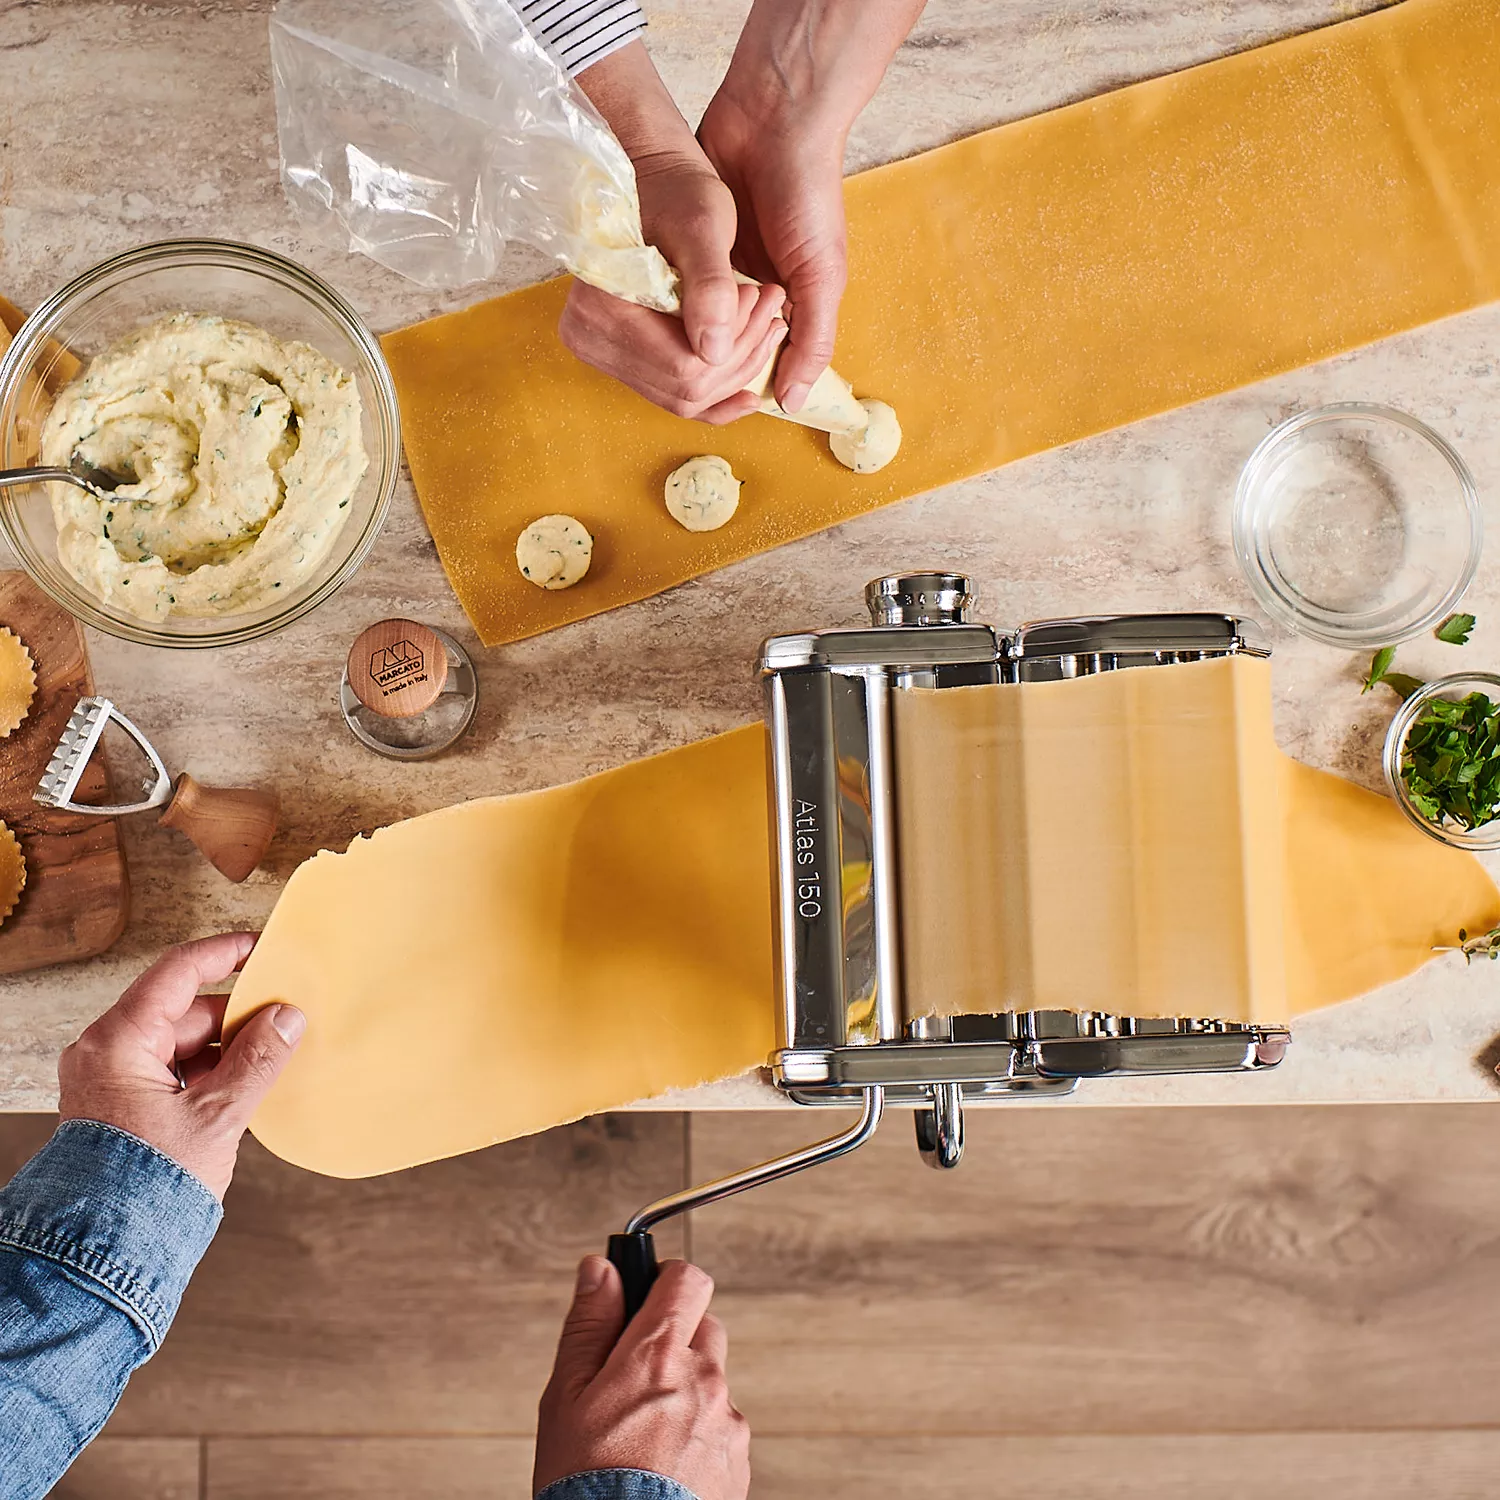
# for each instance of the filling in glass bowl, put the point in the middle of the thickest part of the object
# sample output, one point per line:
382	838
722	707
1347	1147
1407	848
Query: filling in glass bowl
237	453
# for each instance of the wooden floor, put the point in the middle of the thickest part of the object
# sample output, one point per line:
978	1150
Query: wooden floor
1174	1304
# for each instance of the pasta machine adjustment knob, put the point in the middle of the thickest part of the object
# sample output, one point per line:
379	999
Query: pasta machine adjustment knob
919	599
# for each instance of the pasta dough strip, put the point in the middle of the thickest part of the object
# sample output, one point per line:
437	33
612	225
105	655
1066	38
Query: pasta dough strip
510	964
1134	842
513	963
1019	289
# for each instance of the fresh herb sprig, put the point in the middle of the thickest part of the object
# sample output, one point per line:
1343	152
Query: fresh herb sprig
1380	664
1455	631
1380	672
1481	945
1451	761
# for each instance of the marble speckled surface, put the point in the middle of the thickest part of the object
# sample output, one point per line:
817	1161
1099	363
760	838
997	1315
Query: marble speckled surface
1136	519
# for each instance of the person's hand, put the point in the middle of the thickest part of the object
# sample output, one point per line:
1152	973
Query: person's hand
124	1070
697	365
788	185
653	1397
775	133
736	328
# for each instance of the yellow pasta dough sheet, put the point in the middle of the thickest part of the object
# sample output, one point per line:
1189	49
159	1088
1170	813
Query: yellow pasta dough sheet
513	963
1025	287
1367	897
1134	842
510	964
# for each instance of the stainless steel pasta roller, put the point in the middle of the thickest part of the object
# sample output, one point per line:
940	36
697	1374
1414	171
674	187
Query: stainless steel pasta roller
843	1035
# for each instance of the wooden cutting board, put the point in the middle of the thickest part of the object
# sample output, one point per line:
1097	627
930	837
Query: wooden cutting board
77	895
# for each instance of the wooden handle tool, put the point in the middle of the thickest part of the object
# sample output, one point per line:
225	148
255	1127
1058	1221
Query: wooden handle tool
409	690
232	827
397	668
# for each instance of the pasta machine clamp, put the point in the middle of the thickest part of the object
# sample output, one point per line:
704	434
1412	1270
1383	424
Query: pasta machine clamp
844	1038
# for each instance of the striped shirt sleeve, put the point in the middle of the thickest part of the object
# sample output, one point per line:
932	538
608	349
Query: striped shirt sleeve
579	33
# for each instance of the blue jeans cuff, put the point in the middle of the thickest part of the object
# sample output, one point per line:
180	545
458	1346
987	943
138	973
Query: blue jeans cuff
117	1214
616	1484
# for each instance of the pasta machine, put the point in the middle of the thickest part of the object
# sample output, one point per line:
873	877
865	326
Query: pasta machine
843	1037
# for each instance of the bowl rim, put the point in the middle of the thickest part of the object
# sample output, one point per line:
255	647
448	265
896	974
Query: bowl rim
1395	743
1246	553
242	256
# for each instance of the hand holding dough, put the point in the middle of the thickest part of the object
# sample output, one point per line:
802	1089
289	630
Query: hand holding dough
875	447
554	552
703	493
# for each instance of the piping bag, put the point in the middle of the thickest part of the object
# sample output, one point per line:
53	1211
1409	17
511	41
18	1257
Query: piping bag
438	132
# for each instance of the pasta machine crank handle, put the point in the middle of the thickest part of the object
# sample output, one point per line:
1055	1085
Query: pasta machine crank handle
633	1253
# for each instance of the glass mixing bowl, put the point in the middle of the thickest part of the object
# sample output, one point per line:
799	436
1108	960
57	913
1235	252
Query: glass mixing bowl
1456	688
123	294
1357	525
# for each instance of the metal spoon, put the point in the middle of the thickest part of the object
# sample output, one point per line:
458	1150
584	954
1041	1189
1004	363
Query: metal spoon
100	483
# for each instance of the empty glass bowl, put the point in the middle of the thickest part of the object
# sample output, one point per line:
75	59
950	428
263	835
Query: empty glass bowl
1357	525
136	288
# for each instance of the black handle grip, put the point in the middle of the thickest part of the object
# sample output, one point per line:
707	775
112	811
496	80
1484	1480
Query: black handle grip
634	1257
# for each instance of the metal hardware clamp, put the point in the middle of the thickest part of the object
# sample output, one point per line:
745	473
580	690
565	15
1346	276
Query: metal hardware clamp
843	1037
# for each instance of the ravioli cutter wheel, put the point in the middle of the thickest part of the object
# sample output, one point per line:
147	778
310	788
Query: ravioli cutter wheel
231	826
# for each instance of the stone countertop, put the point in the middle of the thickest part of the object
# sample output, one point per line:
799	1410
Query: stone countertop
122	123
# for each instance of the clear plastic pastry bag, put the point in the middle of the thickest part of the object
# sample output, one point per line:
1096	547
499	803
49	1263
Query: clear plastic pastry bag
438	131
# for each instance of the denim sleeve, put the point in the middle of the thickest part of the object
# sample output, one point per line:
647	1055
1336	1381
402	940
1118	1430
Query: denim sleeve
616	1484
99	1233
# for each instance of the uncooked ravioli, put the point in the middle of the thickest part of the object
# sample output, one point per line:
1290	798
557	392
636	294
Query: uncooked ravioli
703	493
17	682
12	872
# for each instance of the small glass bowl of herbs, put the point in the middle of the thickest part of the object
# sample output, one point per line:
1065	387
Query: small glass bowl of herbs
1442	758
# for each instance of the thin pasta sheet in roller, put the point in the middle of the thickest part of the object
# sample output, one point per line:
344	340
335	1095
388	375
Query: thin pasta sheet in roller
1108	843
1134	842
1010	292
1131	842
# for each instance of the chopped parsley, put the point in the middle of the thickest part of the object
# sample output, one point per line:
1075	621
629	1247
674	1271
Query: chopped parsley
1451	761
